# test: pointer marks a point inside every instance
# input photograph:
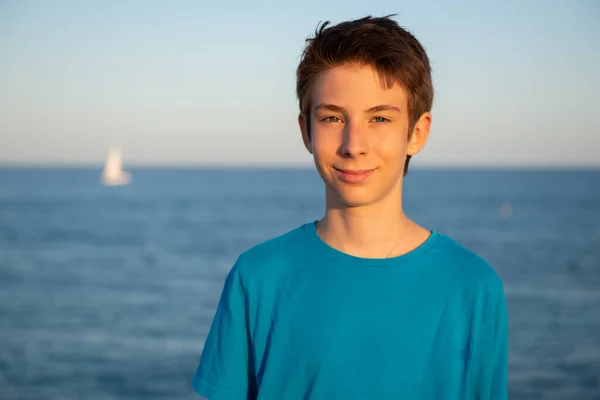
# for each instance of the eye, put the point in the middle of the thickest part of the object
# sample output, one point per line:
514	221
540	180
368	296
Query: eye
331	119
381	120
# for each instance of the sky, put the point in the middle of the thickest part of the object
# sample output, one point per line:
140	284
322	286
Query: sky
213	82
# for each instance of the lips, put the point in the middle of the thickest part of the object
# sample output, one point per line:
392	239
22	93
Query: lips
354	175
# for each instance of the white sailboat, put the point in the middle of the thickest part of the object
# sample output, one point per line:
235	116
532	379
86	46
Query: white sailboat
113	173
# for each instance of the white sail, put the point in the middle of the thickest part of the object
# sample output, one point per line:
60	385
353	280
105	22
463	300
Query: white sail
113	173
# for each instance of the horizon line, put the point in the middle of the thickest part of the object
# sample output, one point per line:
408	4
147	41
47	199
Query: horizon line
288	166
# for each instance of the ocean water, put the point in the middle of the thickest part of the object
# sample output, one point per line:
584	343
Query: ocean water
108	292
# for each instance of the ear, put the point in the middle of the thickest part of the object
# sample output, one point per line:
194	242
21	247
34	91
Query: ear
420	134
302	122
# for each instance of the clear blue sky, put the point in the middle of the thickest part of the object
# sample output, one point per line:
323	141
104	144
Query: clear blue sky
211	82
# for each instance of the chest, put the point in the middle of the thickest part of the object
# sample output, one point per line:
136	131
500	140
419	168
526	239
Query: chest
386	326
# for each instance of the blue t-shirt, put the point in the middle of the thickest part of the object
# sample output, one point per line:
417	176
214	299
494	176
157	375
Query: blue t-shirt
298	319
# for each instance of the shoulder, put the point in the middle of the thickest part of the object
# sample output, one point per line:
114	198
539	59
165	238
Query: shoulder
269	259
463	265
471	282
277	248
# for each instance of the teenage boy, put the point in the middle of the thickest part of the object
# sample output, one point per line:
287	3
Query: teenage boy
363	303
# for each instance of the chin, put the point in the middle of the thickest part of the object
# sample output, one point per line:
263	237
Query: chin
353	196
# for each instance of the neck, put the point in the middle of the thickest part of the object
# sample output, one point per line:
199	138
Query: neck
377	230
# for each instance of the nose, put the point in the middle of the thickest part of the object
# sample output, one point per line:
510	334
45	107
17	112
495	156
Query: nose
354	141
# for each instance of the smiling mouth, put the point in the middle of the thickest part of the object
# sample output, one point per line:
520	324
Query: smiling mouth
354	175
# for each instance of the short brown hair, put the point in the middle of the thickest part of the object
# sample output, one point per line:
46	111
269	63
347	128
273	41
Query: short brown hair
380	42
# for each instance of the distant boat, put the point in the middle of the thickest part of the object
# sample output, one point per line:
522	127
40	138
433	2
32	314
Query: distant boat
113	174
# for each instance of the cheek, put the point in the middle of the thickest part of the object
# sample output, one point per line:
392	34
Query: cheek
391	146
325	146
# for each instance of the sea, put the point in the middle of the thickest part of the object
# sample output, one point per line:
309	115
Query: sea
108	292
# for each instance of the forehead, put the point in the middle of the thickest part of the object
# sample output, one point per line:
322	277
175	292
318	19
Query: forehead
356	86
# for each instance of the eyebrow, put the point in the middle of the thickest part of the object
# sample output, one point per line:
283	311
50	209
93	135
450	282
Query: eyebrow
333	107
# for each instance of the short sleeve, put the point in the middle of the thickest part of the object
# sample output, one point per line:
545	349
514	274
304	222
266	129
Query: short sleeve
491	355
224	370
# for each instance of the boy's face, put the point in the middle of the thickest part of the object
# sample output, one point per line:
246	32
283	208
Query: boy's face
359	135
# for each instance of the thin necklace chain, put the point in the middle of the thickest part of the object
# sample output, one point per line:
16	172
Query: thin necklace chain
391	250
